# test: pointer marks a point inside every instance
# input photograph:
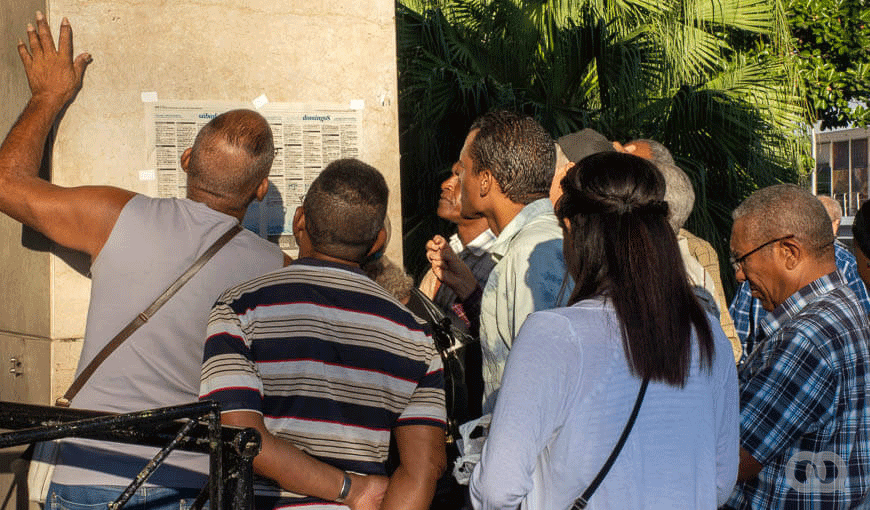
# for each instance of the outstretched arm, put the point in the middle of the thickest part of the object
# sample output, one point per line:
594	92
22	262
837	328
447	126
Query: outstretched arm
79	218
296	471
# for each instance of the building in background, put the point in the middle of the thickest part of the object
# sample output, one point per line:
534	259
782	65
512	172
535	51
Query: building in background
841	171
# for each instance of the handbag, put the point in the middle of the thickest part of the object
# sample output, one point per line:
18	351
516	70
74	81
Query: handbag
451	343
43	454
583	500
458	359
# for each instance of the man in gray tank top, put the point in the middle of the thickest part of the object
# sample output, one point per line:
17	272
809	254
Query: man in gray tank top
138	247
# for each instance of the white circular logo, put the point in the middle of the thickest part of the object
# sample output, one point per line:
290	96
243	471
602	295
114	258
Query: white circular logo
817	478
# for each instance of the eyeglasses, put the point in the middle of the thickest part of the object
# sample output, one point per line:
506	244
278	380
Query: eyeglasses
737	262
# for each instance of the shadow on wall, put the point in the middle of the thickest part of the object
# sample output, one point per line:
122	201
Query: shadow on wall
13	480
33	240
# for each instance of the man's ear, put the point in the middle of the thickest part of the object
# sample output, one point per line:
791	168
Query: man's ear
380	241
792	252
298	221
262	189
485	182
185	158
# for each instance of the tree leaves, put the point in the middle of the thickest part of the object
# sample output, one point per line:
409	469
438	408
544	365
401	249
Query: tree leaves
714	80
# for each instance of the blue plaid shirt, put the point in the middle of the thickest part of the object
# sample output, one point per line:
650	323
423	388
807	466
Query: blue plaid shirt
803	393
747	311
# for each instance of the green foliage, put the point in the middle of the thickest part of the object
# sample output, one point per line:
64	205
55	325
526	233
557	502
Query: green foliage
832	38
675	71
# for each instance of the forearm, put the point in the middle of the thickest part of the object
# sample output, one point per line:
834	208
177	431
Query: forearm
411	490
298	472
22	150
308	475
422	459
749	467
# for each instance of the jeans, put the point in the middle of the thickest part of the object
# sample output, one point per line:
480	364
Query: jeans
97	497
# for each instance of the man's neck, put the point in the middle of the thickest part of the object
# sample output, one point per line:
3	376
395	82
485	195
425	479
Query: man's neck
807	274
216	202
468	230
817	270
503	213
311	253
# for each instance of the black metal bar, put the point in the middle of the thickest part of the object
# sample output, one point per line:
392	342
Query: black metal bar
88	426
216	479
246	446
202	497
149	468
231	449
31	416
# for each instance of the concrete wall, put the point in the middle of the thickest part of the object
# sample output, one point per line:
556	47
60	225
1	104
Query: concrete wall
301	51
308	51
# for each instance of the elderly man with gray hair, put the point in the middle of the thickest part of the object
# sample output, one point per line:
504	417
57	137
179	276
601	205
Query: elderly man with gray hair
803	389
699	257
747	311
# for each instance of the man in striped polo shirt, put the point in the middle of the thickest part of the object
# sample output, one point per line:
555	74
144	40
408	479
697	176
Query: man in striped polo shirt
328	366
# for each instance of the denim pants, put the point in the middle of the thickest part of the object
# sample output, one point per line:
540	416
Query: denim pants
97	497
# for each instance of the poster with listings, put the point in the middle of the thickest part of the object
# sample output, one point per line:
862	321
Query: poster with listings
307	137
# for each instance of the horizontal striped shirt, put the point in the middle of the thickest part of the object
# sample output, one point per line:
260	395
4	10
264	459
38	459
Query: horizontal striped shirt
330	359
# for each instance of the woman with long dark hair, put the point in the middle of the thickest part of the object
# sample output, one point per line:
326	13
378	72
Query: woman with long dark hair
575	373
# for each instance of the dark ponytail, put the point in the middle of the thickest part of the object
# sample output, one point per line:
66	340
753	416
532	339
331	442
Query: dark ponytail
620	244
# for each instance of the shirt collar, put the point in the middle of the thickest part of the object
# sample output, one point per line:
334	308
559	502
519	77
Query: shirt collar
482	243
799	300
527	214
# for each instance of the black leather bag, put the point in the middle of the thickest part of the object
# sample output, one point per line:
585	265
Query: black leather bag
460	355
463	388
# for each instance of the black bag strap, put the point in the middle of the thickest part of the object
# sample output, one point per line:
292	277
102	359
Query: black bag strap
583	500
143	317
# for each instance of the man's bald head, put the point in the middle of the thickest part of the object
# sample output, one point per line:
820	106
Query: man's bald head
650	150
231	156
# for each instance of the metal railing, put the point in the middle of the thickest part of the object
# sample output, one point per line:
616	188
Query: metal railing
192	427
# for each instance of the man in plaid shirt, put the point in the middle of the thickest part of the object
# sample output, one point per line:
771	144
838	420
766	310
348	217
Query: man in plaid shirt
747	311
805	420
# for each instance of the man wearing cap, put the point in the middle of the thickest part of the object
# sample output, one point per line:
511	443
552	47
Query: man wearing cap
572	148
505	171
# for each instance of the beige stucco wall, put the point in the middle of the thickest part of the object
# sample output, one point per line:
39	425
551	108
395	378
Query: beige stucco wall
25	273
303	51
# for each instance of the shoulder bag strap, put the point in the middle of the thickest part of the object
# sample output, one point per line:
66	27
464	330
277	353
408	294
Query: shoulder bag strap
143	317
583	500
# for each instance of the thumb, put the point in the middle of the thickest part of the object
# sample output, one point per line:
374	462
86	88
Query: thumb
81	63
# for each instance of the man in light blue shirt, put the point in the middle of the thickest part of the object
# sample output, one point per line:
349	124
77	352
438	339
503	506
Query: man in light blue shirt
505	170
